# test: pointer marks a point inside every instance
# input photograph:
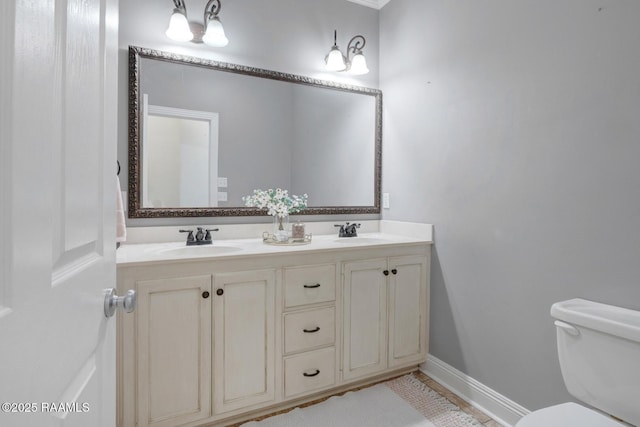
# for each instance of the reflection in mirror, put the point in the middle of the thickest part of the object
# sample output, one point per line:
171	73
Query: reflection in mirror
180	157
204	134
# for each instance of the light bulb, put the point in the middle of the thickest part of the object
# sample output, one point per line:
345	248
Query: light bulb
359	65
214	36
335	60
179	27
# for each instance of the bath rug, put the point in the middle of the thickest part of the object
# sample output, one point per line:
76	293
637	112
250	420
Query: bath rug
402	402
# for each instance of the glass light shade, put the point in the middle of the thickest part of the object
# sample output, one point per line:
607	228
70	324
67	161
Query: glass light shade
179	27
214	36
359	65
335	60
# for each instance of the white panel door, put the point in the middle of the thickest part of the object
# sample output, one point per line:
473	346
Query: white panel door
407	310
365	318
173	336
244	339
57	216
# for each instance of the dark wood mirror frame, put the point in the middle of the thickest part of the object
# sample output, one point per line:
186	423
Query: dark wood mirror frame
136	210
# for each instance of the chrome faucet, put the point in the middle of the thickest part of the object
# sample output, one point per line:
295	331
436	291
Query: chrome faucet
202	237
348	230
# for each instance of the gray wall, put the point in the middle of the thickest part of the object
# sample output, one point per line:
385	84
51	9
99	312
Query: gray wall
514	128
291	36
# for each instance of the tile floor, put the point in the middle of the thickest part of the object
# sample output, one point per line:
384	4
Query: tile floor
486	420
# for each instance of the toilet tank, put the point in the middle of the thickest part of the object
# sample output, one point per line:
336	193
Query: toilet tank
599	352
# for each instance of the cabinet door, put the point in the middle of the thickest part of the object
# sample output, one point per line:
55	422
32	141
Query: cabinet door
173	330
365	318
244	323
408	320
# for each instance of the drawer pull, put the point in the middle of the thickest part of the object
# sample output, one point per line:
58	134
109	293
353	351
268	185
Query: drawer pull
311	331
316	373
317	285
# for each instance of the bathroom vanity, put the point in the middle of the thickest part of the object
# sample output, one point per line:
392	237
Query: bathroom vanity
236	329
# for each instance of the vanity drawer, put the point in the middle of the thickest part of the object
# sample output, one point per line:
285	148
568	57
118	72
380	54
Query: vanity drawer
309	329
309	285
310	371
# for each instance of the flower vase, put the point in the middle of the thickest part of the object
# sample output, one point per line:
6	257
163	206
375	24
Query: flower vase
281	228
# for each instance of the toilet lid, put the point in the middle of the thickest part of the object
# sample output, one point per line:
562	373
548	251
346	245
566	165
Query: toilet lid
567	414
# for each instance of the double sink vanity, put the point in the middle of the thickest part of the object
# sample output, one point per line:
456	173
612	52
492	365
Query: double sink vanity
232	330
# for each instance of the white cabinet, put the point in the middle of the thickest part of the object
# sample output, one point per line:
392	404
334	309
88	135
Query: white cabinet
408	310
173	332
310	284
309	371
309	329
244	352
365	318
309	320
215	339
197	346
385	320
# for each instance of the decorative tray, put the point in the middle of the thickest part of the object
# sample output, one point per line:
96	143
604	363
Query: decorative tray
269	240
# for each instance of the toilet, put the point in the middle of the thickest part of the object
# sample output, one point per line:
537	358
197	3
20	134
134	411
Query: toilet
599	352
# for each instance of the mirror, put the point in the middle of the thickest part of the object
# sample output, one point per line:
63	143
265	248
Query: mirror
203	134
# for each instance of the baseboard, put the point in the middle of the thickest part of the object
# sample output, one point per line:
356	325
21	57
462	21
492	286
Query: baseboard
500	408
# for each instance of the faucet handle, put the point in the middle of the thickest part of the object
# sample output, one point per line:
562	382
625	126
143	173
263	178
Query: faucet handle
190	237
209	230
350	230
200	234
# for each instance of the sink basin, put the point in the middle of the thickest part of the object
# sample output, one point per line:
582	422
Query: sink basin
361	240
204	250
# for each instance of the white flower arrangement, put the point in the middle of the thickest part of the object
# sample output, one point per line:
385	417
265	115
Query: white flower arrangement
278	202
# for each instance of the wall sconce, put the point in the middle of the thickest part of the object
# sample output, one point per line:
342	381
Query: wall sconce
336	61
211	33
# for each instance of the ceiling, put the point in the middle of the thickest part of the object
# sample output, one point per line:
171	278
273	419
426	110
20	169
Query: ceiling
376	4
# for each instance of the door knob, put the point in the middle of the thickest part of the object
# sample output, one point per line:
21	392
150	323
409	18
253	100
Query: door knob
113	301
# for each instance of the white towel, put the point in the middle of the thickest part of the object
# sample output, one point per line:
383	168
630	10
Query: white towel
121	233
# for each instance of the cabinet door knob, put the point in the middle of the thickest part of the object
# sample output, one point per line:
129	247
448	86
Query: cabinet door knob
205	294
317	372
311	331
386	272
220	291
394	271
